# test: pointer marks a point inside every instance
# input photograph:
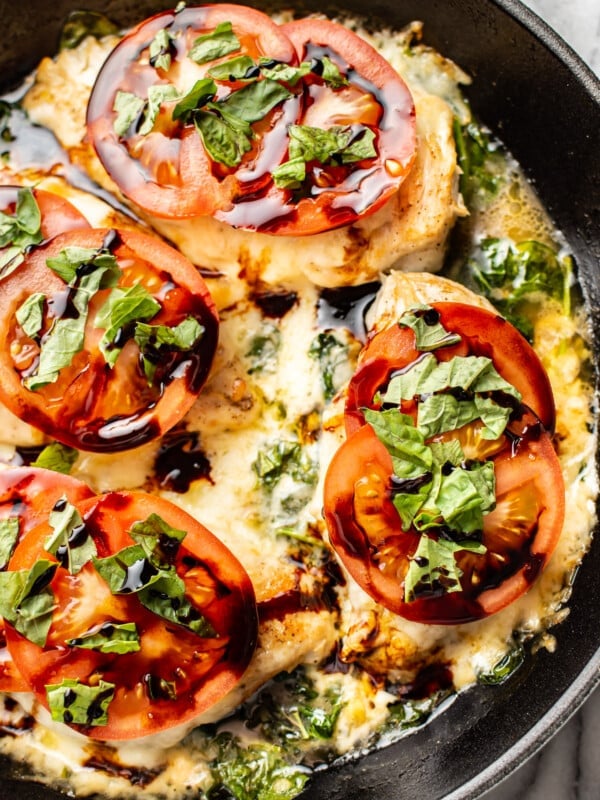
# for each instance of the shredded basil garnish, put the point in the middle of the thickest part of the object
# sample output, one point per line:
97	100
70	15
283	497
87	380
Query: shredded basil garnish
216	44
77	703
19	231
123	309
110	637
58	457
433	568
26	600
9	536
70	541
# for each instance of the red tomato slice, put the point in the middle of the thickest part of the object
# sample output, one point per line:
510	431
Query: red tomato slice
91	405
168	172
519	535
29	494
176	674
57	214
483	334
377	97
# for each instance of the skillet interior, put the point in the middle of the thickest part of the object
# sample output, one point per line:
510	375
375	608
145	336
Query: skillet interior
545	105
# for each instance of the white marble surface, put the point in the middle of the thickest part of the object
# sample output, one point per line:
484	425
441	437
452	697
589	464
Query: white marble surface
568	767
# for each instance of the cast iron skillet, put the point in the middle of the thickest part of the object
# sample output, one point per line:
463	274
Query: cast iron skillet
545	104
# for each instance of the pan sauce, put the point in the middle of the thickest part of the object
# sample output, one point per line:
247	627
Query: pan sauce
239	413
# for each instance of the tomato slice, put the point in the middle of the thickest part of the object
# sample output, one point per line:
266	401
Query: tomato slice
176	674
375	97
168	172
28	494
519	535
57	214
88	403
482	332
172	164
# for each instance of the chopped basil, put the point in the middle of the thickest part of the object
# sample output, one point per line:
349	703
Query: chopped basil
153	340
290	174
481	163
284	458
110	637
515	275
9	535
157	95
254	771
128	107
30	314
330	72
58	457
19	231
146	569
160	50
291	710
80	24
433	486
253	102
86	271
263	349
70	541
332	355
430	334
118	315
217	44
224	143
433	569
280	71
26	600
201	93
235	69
439	410
73	702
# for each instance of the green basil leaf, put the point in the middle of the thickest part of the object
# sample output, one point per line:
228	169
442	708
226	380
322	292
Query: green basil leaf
202	92
433	569
58	457
332	355
110	637
317	144
360	147
69	262
10	258
159	539
331	75
63	342
128	107
118	315
217	44
411	458
290	174
439	413
407	384
283	72
29	218
254	101
30	314
430	334
157	95
465	495
26	600
9	535
160	50
223	143
127	571
165	597
73	702
70	541
153	339
483	167
233	70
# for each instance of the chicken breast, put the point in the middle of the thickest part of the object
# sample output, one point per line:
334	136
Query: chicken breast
409	232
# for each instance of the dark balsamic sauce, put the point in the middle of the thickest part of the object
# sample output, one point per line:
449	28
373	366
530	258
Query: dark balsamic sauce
274	303
346	307
180	461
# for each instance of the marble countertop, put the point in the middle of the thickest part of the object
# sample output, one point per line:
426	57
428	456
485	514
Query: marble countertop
568	767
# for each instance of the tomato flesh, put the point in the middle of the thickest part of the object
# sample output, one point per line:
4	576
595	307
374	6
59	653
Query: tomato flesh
482	332
29	494
169	171
176	674
92	405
